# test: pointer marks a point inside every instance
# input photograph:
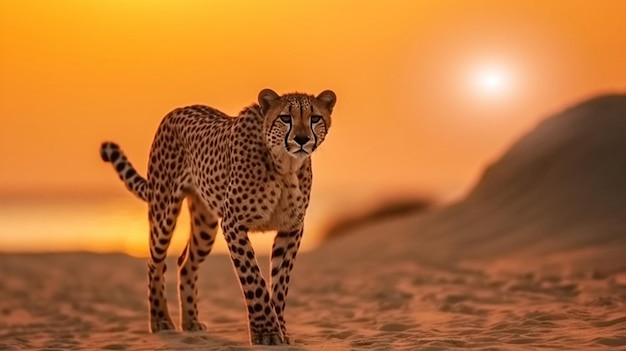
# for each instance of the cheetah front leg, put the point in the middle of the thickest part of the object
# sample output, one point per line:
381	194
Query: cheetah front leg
201	240
264	327
284	250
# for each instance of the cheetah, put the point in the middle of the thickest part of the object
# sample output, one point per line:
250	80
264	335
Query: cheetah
249	173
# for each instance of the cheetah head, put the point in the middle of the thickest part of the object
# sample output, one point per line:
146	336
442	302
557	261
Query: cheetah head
296	123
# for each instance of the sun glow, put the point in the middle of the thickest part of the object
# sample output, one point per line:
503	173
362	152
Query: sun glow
491	81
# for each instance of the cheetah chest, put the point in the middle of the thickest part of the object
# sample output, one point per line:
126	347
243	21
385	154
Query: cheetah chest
289	206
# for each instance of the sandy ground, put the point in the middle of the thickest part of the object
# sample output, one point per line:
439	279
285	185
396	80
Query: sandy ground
95	302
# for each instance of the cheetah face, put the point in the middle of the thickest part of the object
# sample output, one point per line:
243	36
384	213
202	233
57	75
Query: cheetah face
296	123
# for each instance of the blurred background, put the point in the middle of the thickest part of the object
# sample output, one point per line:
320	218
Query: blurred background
429	93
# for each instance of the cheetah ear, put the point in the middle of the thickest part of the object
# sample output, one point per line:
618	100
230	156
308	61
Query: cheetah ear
328	98
266	98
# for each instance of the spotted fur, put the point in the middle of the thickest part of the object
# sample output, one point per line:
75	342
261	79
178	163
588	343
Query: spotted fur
253	172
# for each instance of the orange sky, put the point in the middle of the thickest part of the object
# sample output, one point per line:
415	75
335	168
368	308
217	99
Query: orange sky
73	73
76	72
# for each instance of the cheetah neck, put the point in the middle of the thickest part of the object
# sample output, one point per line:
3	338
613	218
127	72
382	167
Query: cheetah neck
284	163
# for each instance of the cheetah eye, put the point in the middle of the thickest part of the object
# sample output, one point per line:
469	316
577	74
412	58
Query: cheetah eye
316	119
285	118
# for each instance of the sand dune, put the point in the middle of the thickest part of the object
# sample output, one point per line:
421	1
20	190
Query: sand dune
560	189
350	221
533	258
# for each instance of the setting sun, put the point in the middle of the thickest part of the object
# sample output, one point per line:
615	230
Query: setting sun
491	81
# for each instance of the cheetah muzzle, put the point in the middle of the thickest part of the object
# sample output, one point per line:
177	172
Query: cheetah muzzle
248	173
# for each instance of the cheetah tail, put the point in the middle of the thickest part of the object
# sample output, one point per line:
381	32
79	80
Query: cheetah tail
111	152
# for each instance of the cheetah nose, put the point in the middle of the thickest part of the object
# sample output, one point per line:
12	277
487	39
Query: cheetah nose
301	139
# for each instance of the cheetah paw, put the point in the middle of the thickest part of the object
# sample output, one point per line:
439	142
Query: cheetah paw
161	325
193	325
288	339
267	338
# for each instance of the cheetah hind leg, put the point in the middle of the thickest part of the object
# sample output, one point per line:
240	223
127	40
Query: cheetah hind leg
162	216
201	239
